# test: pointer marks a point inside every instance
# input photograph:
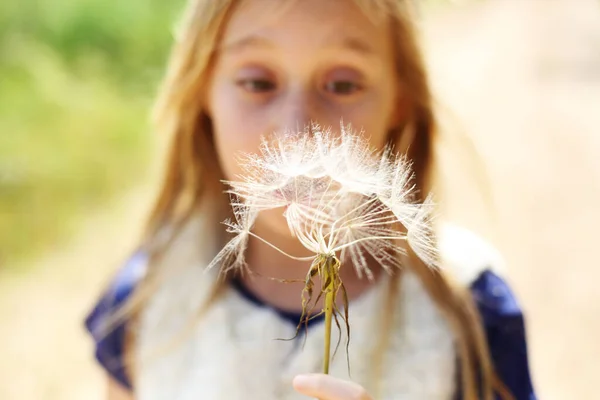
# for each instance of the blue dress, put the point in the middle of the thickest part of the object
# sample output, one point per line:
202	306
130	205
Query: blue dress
502	318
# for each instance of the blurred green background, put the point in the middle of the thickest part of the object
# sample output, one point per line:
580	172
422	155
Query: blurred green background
77	79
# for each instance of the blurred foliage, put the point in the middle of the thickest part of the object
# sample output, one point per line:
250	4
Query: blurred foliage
77	78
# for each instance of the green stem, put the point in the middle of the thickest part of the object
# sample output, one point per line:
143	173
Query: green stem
329	299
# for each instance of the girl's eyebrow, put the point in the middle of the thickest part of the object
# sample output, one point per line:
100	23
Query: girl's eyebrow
248	41
355	44
347	42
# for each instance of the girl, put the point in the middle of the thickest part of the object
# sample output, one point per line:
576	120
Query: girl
166	329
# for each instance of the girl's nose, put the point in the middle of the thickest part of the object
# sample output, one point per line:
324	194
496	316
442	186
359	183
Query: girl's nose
297	111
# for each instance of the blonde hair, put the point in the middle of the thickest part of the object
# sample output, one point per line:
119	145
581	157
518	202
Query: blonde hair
193	174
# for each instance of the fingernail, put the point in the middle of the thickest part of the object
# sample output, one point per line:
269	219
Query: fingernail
302	381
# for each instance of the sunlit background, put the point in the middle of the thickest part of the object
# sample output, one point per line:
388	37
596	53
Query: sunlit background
520	82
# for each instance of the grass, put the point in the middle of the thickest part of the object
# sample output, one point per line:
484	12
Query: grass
77	80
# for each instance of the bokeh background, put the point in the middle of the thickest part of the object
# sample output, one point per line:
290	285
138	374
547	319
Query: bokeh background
520	83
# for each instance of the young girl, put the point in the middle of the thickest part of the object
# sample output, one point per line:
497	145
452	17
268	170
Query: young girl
167	329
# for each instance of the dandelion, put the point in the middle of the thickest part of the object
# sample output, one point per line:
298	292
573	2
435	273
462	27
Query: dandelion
345	203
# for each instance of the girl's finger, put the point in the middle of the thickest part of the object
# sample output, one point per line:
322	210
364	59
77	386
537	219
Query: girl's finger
326	387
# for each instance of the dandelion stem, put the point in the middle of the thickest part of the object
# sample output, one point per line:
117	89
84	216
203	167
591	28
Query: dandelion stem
329	289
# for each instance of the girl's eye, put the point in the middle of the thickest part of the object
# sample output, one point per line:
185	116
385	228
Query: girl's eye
256	85
344	81
342	87
256	81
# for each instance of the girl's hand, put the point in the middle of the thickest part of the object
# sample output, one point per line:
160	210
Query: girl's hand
326	387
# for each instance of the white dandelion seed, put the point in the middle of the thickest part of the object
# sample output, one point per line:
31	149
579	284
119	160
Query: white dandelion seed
420	233
232	255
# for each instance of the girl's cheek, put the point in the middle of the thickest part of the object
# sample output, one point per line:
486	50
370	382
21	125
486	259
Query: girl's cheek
237	128
232	117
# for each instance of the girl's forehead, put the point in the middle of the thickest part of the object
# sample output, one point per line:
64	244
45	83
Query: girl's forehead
324	22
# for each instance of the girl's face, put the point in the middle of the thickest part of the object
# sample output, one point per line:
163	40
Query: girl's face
282	67
304	61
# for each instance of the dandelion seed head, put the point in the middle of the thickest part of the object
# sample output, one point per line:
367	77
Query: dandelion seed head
339	197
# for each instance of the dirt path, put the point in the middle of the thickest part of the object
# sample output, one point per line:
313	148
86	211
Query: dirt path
524	76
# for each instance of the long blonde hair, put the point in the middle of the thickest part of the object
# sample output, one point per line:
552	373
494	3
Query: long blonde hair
193	174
